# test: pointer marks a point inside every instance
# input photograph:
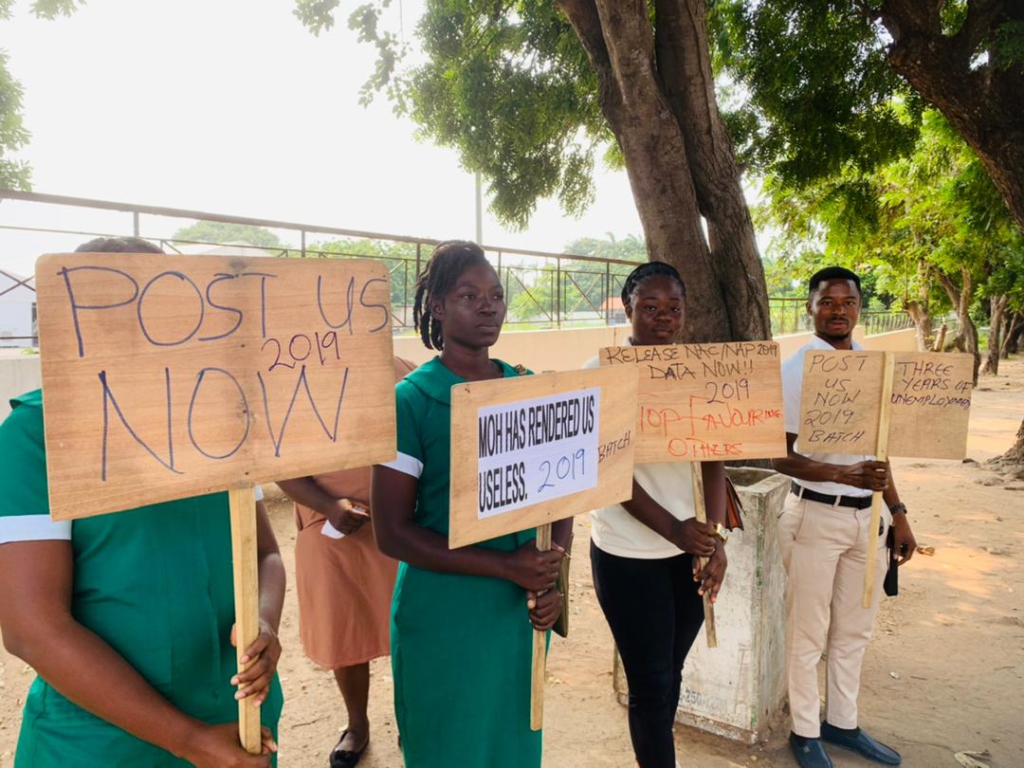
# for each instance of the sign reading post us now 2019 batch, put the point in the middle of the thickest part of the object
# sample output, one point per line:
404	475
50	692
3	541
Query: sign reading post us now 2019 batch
531	450
170	376
928	409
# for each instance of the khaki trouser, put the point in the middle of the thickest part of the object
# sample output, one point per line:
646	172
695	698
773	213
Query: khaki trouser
824	552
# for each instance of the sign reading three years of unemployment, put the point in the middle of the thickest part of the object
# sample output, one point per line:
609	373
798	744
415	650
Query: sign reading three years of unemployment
929	408
167	377
530	450
706	402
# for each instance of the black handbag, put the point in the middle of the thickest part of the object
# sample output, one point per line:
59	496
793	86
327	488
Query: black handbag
891	585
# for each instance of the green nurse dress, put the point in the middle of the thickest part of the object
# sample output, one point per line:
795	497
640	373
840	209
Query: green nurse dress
461	646
155	583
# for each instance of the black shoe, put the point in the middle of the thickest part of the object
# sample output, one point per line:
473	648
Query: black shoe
344	758
809	753
858	741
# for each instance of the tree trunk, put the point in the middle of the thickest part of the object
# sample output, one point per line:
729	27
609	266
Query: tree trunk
919	309
1016	454
967	336
981	102
995	327
1013	333
918	312
726	293
684	64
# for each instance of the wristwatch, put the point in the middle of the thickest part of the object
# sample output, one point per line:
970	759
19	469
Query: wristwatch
898	509
721	532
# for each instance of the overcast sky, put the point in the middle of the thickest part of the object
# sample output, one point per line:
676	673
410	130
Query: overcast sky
231	106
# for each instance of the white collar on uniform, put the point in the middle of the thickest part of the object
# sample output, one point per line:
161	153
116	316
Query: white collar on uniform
819	343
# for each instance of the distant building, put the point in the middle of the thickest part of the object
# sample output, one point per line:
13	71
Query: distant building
17	311
614	311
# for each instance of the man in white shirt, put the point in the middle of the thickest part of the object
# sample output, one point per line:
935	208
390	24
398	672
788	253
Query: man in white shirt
823	536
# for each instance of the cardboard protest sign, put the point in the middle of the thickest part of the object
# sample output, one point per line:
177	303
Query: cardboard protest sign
531	450
931	405
928	409
840	402
706	402
171	376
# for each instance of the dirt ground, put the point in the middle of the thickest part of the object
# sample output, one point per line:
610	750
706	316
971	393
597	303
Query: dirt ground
944	674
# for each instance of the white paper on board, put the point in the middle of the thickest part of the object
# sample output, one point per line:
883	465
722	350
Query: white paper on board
535	450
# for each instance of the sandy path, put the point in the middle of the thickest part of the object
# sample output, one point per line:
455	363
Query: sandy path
945	672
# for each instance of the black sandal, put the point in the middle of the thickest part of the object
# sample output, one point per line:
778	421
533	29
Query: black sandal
347	758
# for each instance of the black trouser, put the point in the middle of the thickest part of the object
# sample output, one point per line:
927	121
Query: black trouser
655	613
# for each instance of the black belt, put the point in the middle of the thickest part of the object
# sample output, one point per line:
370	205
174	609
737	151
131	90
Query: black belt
857	502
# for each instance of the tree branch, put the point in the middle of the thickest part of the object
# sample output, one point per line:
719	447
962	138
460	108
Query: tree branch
950	287
584	18
981	15
912	17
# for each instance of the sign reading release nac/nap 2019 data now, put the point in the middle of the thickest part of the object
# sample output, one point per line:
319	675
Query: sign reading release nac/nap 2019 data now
706	402
536	450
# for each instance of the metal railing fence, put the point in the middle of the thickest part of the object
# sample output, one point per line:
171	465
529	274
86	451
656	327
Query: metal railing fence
542	289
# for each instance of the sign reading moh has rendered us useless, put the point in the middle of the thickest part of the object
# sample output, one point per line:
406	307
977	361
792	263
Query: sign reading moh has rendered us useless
543	448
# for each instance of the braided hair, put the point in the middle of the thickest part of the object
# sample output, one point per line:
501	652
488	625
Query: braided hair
645	271
446	263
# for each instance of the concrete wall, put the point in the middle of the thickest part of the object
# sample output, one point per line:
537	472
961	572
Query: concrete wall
551	350
19	373
569	349
897	341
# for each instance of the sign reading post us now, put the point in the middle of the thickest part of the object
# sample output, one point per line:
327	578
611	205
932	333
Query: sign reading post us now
171	376
537	450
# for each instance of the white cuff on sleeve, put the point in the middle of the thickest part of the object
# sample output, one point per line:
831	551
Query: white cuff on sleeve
406	464
33	528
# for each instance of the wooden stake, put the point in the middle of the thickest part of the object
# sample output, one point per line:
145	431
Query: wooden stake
881	454
243	551
540	640
702	517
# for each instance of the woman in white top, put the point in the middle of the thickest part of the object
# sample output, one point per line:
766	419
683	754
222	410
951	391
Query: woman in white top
643	551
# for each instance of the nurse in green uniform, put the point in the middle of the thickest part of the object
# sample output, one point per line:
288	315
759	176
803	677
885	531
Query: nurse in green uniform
127	619
462	629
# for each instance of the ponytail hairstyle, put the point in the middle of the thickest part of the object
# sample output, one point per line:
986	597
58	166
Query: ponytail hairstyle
446	263
645	271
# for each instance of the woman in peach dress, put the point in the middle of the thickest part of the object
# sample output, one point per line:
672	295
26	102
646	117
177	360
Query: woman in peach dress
344	586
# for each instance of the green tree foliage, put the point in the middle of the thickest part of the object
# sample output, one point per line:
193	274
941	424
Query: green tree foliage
15	174
824	80
930	228
820	89
629	248
221	232
530	93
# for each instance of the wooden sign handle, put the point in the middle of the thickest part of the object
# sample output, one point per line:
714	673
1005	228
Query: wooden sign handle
702	517
881	454
247	626
540	640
